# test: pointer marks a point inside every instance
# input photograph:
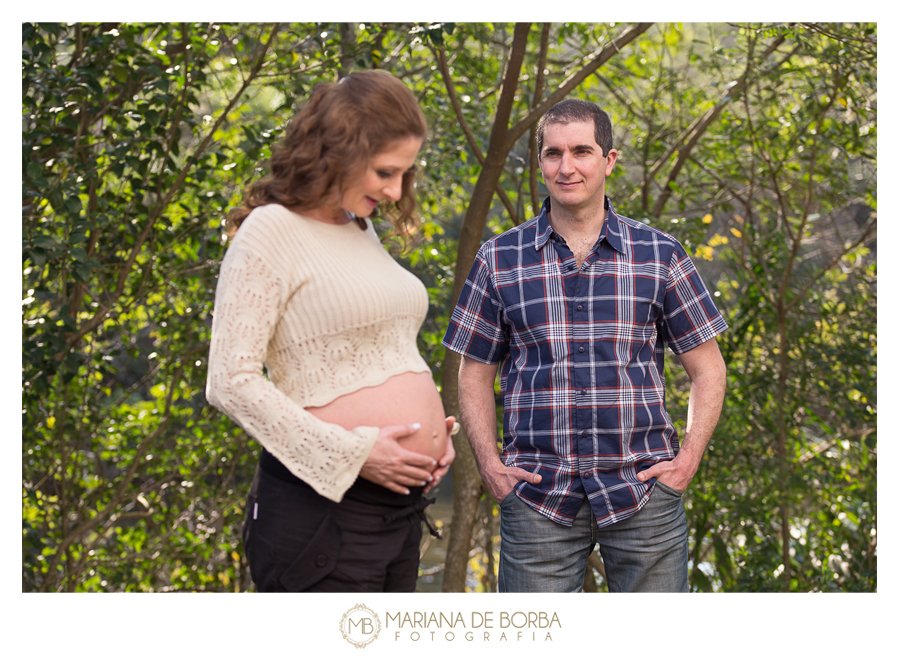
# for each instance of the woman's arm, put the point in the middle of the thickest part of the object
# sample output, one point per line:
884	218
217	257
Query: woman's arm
249	300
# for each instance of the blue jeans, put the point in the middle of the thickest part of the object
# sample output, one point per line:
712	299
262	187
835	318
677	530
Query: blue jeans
646	552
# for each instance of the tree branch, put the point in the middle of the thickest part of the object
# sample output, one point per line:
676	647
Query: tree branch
117	497
103	310
686	142
538	92
597	59
834	261
464	125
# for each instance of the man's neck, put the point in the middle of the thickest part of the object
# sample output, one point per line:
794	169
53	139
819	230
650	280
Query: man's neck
577	225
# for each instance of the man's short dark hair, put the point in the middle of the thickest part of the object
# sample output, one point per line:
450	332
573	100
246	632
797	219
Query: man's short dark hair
573	110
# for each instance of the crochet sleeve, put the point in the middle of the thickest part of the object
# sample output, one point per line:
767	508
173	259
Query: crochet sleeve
250	298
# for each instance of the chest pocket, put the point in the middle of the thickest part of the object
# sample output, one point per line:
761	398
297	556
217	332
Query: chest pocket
626	300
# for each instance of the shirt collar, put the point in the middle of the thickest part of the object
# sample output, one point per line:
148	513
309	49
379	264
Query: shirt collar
611	227
544	230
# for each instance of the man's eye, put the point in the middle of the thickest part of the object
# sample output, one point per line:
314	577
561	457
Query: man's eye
384	174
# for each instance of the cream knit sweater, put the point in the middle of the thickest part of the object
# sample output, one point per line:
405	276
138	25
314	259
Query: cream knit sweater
328	312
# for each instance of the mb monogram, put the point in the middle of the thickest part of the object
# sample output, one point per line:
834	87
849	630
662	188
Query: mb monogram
360	626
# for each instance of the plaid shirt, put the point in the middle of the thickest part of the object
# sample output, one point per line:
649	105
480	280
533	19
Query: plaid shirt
581	356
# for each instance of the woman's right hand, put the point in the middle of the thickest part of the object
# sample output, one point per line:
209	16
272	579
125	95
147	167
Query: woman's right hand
393	466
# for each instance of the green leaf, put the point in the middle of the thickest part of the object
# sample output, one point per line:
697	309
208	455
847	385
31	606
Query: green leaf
45	242
120	73
73	205
82	272
35	170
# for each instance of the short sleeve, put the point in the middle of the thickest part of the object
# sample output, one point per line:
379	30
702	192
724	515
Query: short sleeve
477	328
690	318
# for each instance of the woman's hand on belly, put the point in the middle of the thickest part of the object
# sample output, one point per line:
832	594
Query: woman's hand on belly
393	466
446	459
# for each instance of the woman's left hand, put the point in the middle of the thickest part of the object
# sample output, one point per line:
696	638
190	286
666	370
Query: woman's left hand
446	459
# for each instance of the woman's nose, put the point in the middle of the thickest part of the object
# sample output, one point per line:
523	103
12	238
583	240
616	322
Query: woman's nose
394	188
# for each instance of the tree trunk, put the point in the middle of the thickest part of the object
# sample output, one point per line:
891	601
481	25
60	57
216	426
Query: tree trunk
467	487
467	484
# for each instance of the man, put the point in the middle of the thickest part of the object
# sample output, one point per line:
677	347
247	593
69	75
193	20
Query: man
573	306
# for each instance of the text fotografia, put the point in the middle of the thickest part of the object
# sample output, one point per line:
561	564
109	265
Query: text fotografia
479	626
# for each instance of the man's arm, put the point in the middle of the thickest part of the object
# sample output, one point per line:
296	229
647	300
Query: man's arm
479	417
706	369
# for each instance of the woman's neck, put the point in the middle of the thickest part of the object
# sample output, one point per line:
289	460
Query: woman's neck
325	214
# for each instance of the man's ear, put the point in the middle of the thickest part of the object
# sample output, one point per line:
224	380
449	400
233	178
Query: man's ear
611	157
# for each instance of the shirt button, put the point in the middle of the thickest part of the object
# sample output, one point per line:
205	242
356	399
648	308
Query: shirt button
584	434
580	307
321	560
581	349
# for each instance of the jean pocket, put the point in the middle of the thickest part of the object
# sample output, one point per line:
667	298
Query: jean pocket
508	497
669	490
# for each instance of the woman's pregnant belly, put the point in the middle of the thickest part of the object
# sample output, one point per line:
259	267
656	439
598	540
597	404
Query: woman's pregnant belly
410	397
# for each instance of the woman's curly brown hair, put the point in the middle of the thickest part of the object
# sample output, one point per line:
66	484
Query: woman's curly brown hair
329	142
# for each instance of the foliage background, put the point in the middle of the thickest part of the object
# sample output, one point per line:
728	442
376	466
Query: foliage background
753	144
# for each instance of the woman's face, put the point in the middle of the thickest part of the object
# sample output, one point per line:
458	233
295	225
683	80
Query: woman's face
383	177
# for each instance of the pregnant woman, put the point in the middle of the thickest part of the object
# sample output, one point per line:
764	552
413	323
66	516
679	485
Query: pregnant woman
352	428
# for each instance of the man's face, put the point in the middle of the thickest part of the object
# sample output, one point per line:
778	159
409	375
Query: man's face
573	165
